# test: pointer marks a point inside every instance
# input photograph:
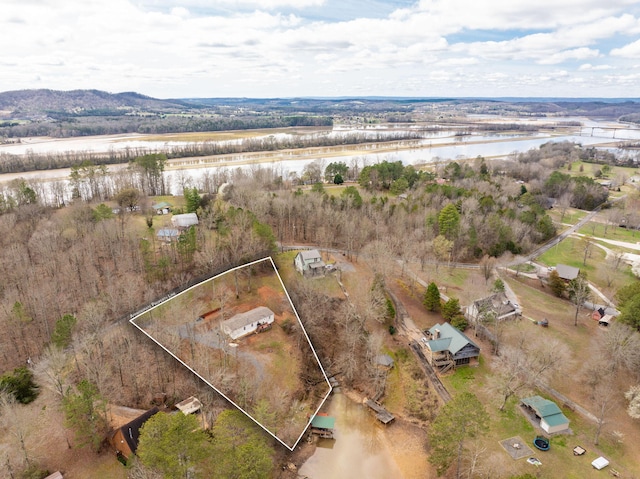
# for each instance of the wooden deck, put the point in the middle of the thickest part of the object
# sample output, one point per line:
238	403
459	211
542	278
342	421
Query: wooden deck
384	416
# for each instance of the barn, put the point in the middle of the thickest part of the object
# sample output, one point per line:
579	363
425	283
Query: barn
248	322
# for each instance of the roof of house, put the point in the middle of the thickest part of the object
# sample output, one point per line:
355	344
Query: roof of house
241	320
384	360
189	405
547	410
131	430
451	339
167	233
323	422
161	205
498	303
310	254
186	219
567	272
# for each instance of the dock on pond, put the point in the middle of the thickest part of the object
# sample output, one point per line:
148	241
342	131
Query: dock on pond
382	415
323	426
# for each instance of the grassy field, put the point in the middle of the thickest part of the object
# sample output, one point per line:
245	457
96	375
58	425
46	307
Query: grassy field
571	216
571	252
590	168
597	230
599	272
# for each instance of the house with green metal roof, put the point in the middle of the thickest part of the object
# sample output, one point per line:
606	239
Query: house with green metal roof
448	347
162	208
551	418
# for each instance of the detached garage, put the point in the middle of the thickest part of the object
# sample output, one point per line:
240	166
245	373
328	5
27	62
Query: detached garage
551	418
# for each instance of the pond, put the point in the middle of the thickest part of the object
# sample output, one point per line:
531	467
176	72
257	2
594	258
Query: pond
360	447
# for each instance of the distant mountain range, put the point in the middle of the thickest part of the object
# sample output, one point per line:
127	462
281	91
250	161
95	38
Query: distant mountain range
32	103
63	105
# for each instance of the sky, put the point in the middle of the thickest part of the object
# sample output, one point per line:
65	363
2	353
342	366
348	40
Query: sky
324	48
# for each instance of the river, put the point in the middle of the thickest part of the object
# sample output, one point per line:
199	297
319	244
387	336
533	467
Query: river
363	447
442	145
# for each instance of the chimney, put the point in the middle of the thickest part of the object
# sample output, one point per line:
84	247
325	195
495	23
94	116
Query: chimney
436	334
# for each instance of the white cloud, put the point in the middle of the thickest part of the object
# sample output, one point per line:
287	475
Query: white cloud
589	66
232	4
631	50
173	47
573	54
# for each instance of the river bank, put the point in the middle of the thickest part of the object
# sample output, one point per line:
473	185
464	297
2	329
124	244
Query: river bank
362	447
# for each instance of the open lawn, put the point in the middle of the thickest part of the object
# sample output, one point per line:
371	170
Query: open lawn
588	169
596	229
599	271
571	216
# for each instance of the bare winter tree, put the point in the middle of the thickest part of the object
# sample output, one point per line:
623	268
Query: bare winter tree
579	292
50	369
604	400
521	366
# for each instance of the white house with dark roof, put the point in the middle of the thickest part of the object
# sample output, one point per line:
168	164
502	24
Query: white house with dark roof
309	263
248	322
448	347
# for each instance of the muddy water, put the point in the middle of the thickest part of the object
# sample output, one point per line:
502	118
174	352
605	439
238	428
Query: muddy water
358	450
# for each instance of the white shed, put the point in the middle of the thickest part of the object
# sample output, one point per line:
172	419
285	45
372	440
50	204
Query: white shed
600	463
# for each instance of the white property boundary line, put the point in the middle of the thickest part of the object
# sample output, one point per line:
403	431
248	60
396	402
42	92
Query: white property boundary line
145	311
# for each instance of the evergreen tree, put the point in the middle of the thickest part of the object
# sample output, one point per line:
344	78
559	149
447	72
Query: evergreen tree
462	418
241	449
449	221
432	297
557	284
85	411
193	199
174	446
630	313
451	309
63	330
20	385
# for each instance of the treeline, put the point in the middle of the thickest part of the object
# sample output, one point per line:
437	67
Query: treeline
31	161
66	125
